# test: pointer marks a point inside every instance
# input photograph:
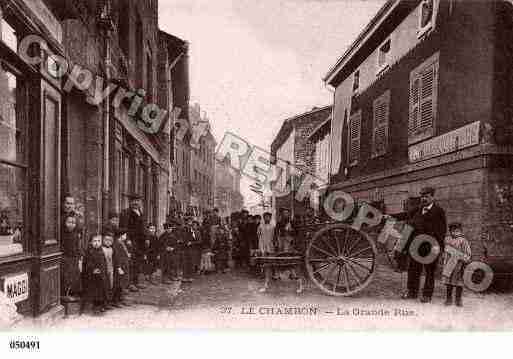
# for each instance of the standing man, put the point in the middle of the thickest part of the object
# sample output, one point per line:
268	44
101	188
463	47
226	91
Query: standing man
132	221
429	219
244	238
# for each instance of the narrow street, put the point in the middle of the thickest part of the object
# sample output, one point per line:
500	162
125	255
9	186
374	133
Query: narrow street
232	301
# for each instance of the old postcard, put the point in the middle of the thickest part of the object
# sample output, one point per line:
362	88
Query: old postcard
243	164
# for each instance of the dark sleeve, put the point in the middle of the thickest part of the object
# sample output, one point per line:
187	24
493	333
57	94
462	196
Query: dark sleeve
442	230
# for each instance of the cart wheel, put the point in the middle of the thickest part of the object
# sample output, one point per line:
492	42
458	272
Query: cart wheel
341	260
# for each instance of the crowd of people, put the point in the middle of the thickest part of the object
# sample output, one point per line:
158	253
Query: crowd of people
128	254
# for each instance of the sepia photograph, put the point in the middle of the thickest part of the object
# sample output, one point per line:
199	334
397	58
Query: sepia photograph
272	165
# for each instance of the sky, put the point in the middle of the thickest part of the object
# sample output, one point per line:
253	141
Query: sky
254	63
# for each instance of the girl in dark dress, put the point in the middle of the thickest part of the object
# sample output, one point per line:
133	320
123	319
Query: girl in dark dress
72	258
95	275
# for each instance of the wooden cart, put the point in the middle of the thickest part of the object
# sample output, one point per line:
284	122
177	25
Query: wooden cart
338	259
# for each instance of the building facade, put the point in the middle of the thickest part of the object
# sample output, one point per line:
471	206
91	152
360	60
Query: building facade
30	173
99	102
202	163
422	98
320	138
293	147
228	198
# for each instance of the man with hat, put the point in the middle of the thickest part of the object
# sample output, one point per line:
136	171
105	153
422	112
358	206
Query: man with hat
429	219
132	221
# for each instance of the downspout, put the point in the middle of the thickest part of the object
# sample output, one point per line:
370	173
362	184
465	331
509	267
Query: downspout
106	26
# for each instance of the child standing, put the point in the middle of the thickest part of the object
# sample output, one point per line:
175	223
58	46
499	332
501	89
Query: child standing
72	258
147	263
108	240
452	275
171	257
121	268
95	274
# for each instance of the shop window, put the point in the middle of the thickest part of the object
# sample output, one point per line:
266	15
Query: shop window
12	209
51	164
423	100
383	56
381	113
12	163
355	123
9	36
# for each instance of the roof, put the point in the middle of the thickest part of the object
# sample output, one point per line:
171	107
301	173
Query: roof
322	125
288	125
380	16
175	45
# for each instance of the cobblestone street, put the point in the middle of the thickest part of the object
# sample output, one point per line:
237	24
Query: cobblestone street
232	301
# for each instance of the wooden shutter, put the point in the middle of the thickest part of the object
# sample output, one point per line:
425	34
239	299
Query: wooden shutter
381	113
423	100
355	124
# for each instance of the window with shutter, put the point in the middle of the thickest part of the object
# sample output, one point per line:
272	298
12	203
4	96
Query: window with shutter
355	123
381	112
423	100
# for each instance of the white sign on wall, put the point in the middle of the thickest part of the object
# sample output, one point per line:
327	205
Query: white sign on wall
16	288
460	138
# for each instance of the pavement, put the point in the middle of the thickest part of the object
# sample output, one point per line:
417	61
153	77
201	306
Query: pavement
232	301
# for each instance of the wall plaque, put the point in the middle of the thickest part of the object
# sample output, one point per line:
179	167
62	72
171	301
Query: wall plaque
458	139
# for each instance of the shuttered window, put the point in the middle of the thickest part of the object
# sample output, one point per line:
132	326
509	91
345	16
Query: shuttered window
381	113
355	125
423	100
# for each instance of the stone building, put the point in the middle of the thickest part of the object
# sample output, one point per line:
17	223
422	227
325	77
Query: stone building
422	98
292	146
176	92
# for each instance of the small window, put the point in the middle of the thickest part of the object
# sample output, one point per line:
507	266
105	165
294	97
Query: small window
355	124
426	16
356	81
383	56
423	100
381	113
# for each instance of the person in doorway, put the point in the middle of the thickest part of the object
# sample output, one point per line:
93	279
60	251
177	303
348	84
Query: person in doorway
71	258
429	219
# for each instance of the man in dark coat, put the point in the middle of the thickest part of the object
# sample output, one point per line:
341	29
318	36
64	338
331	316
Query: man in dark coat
132	221
244	238
429	219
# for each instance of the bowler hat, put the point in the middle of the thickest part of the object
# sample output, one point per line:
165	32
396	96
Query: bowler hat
427	190
133	196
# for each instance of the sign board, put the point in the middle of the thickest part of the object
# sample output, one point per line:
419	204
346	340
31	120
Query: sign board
16	287
45	16
458	139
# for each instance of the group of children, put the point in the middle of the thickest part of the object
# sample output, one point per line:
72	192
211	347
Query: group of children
105	271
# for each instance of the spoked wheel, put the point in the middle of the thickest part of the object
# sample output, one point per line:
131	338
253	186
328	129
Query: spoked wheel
341	260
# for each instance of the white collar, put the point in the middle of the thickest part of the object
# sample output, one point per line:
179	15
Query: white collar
428	207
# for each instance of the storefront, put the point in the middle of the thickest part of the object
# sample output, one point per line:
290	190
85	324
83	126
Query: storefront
30	116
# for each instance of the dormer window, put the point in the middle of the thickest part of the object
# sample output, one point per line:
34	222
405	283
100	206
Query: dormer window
383	56
426	16
356	81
